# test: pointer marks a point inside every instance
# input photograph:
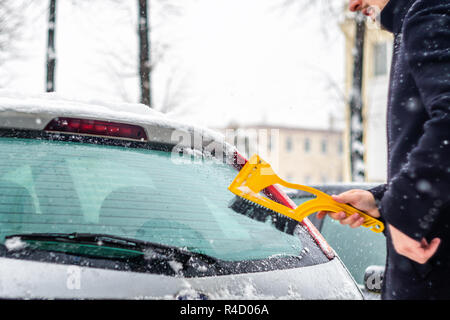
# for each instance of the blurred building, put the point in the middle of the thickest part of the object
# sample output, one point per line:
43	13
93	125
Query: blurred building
298	155
377	60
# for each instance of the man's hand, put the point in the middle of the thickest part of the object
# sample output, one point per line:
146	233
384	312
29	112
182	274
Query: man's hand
363	200
419	252
360	199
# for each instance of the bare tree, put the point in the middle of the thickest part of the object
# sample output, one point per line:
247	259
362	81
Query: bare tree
328	11
11	23
124	64
174	92
332	10
146	61
356	104
119	67
51	53
144	52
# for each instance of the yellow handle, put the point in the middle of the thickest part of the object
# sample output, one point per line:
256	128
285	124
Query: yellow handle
257	175
324	202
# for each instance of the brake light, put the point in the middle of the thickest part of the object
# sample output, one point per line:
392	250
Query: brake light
96	127
278	195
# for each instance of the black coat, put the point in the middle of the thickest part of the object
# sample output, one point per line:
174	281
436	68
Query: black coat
416	198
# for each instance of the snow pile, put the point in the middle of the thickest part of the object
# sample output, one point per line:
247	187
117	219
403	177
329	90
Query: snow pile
53	98
14	243
176	266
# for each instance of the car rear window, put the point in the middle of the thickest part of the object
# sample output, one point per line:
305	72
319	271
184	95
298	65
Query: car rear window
150	195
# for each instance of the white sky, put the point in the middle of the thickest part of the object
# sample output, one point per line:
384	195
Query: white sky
242	60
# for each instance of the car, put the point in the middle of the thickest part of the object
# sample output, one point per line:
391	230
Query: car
116	201
362	251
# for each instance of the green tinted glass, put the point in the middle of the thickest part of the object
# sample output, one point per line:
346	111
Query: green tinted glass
358	248
65	187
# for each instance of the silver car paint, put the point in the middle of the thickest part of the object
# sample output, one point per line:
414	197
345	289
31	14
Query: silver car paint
21	279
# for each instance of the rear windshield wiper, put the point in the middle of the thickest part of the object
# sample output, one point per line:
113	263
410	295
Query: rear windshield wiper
85	238
125	247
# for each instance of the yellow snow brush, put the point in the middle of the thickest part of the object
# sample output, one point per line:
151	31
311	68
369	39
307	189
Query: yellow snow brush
256	175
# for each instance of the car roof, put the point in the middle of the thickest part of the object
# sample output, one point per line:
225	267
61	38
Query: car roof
35	111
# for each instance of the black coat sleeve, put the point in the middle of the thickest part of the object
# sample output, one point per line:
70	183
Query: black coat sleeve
378	192
425	178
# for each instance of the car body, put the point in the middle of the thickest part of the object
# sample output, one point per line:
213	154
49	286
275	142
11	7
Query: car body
116	201
361	250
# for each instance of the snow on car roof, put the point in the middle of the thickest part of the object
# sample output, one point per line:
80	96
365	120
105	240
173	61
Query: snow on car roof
50	105
45	102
